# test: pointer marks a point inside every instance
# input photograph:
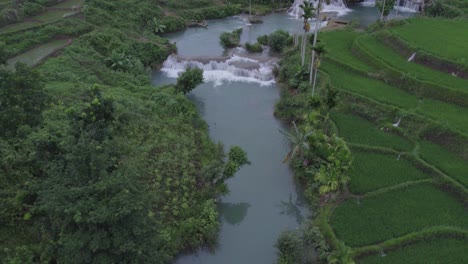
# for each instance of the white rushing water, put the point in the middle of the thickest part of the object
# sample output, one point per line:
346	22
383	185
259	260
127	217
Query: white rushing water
336	6
235	68
401	5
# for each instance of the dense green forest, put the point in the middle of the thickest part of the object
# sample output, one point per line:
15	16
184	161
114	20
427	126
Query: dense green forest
96	165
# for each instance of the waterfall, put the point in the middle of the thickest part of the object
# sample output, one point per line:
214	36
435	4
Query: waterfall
335	6
402	5
234	68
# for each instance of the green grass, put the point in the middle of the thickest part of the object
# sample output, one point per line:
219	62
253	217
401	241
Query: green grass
445	38
338	44
444	160
396	213
355	129
451	115
35	55
372	171
388	55
436	251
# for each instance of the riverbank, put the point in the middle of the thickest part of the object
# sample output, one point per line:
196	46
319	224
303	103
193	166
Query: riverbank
399	193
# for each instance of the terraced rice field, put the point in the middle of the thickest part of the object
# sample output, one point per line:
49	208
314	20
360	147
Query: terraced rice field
338	44
449	114
436	251
396	213
37	54
47	17
444	160
373	171
444	38
390	197
395	60
355	129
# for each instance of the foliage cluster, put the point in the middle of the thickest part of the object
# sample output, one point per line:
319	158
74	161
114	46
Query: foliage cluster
189	80
111	58
134	172
306	245
257	47
440	8
278	40
230	39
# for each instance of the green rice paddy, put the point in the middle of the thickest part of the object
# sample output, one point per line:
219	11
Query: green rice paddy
435	251
449	114
372	171
395	60
35	55
396	213
355	129
444	160
444	38
338	44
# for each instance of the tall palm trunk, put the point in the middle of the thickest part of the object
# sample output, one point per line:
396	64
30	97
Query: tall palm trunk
317	26
304	45
315	80
383	9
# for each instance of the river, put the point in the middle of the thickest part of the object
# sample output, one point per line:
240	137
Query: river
238	106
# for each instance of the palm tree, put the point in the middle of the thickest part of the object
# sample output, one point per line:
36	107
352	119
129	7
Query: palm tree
155	26
320	50
317	28
307	9
332	174
330	178
298	140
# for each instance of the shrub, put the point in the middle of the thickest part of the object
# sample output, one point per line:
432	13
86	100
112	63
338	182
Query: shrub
278	40
257	47
30	8
230	40
440	9
9	15
263	40
189	80
289	247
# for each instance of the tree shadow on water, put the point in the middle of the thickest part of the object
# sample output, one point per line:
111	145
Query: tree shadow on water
292	208
233	213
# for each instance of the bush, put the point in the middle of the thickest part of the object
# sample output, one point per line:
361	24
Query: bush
263	40
289	247
440	9
9	15
279	40
189	80
257	47
231	40
30	9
